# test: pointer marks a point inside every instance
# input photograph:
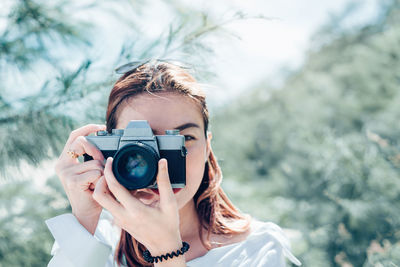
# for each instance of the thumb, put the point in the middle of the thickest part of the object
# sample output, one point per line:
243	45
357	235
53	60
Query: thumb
164	184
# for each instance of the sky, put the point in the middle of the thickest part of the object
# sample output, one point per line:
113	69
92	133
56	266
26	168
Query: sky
266	48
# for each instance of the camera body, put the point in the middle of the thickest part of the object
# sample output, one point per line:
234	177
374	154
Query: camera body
136	152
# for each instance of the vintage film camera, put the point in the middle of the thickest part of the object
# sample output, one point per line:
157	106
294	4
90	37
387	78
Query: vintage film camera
136	152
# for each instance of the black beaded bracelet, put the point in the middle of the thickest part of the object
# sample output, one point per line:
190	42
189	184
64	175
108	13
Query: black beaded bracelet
147	256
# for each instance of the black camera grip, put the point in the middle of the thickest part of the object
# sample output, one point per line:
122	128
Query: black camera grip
106	154
87	157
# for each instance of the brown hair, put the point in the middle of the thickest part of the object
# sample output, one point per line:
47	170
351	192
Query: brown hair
214	209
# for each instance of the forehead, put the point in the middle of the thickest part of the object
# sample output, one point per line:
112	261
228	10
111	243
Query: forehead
163	111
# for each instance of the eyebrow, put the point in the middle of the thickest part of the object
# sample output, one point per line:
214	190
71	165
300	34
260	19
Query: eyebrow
187	125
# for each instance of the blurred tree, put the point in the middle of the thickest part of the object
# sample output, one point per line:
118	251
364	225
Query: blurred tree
45	41
322	153
24	237
27	117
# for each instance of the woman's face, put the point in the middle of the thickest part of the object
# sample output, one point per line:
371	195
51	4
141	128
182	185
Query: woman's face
168	111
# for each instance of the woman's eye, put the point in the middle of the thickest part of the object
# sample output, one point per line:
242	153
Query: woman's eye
189	138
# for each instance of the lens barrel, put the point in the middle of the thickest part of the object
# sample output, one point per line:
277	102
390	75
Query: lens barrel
135	165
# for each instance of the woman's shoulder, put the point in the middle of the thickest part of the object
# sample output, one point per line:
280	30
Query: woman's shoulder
269	232
265	245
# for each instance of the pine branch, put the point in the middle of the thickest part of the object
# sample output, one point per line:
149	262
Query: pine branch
60	96
184	40
31	27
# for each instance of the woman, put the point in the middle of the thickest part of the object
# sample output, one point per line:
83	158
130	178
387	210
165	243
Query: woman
198	223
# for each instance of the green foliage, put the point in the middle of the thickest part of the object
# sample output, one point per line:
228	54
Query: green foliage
28	115
25	239
325	147
385	255
30	28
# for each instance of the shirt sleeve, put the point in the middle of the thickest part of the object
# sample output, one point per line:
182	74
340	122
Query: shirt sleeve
74	245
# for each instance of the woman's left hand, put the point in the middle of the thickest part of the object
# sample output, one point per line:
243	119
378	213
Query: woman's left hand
157	228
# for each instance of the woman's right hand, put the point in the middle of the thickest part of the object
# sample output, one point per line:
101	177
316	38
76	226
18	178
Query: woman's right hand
79	179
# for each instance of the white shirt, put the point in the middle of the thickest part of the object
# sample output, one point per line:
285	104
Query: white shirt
266	245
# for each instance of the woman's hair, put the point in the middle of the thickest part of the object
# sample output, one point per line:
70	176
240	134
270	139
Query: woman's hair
215	211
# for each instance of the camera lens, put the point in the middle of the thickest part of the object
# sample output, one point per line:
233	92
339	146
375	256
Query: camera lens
135	165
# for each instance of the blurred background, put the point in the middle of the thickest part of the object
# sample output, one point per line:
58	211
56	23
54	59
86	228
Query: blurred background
304	99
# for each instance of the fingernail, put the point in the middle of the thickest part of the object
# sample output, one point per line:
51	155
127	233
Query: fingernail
163	163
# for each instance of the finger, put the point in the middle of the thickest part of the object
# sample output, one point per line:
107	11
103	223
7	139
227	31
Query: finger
84	131
119	191
104	197
86	166
164	184
82	146
84	179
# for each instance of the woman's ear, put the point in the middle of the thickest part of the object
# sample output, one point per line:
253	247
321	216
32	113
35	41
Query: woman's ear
208	148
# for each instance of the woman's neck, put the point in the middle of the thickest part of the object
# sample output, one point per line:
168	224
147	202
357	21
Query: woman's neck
189	229
189	222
